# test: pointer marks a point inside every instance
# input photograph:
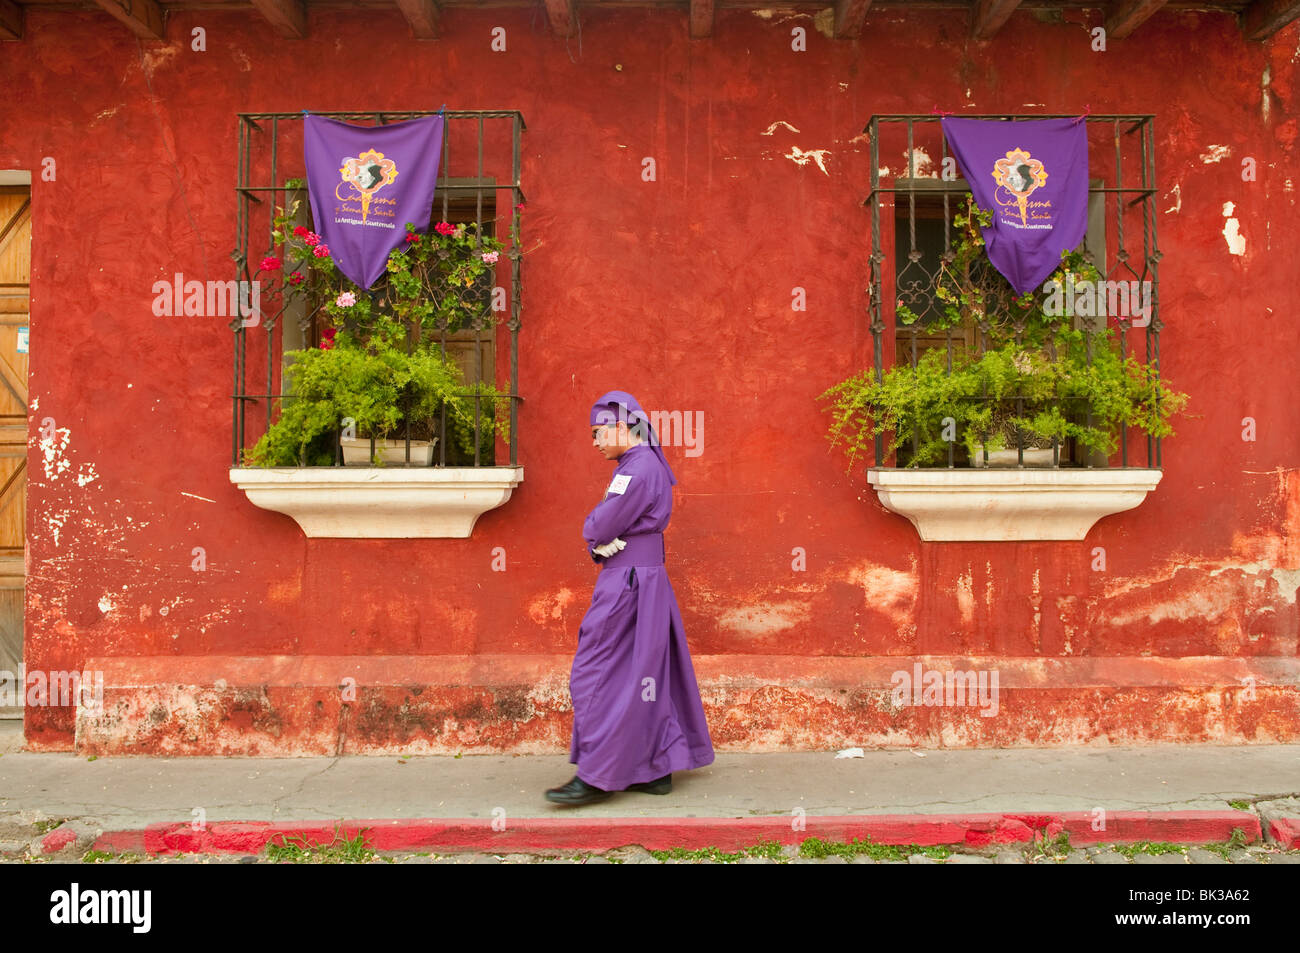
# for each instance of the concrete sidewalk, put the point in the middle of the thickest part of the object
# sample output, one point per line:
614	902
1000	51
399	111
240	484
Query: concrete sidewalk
976	797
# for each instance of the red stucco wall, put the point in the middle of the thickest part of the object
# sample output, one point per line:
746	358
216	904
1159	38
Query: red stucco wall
678	291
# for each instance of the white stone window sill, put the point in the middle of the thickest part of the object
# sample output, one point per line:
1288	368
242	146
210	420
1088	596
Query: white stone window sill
992	505
380	502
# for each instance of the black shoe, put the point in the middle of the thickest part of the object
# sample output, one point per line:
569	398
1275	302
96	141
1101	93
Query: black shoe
662	785
577	791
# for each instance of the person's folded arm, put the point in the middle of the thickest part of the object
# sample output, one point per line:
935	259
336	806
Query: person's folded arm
615	514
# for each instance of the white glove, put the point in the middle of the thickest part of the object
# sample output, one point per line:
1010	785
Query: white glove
610	548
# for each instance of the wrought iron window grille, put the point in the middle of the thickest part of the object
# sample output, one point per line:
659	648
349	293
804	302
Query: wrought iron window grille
904	268
487	193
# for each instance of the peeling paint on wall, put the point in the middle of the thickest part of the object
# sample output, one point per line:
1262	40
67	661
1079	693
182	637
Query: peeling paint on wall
887	590
1177	193
799	157
1232	232
764	619
550	606
780	122
1215	154
52	452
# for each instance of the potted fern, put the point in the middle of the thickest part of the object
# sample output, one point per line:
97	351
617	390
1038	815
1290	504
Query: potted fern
1036	382
377	370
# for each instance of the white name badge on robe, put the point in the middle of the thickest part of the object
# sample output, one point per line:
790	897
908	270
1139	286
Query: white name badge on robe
620	482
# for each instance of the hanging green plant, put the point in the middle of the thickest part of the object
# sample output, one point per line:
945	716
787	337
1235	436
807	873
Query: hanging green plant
1037	380
380	370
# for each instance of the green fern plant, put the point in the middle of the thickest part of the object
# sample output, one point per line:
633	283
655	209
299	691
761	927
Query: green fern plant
1037	379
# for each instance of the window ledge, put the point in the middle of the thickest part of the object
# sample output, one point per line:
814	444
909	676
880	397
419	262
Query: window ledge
380	502
991	505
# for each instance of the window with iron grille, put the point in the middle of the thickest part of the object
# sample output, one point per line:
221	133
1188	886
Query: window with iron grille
478	182
915	202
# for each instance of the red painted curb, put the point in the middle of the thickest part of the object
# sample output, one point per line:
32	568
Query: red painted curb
1285	832
726	833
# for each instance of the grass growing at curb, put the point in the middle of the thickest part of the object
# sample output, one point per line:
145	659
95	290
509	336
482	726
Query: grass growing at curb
47	825
296	850
812	847
1057	848
103	856
815	847
1235	842
1148	847
1239	805
764	849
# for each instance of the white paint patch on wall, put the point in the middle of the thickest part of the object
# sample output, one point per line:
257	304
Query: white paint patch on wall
1215	154
921	161
1177	193
106	604
1232	231
799	157
887	590
764	619
52	451
780	122
966	597
54	523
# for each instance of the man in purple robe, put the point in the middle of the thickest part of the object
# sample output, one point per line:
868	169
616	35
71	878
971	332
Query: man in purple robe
637	715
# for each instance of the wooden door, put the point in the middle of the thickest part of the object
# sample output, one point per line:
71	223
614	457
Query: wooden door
15	284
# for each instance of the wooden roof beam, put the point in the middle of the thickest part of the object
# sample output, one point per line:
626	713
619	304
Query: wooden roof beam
563	15
287	17
987	16
422	16
11	20
1263	18
1127	15
144	18
701	19
849	15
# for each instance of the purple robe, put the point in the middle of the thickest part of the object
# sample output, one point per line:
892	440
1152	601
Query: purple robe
637	714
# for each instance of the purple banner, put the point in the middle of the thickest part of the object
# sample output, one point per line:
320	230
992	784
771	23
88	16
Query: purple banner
1033	177
366	183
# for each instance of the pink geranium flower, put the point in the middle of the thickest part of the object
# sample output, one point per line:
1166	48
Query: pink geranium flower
322	251
346	300
491	257
311	238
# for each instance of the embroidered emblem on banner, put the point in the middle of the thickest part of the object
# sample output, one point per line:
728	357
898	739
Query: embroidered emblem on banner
1022	175
367	173
619	485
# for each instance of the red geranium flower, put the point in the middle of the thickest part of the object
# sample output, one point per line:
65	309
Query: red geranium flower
327	338
296	278
412	237
301	232
270	263
444	228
